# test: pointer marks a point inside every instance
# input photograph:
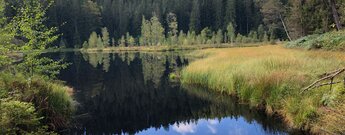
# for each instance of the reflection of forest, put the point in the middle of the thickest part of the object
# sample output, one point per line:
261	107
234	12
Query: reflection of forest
131	92
153	64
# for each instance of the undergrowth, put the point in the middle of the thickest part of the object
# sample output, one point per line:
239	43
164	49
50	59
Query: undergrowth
33	106
334	41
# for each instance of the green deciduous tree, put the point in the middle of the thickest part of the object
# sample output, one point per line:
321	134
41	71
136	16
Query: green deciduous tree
28	24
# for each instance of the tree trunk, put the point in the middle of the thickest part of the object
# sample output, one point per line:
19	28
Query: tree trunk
335	14
286	31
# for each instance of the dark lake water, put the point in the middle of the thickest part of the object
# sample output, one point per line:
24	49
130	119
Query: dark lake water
131	93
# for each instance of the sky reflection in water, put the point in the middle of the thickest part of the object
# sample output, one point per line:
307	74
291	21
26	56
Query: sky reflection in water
226	126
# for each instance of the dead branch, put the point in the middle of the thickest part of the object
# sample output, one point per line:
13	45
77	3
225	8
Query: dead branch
326	77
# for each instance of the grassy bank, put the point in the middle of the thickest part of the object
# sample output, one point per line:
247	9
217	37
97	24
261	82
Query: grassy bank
273	77
152	48
35	106
334	41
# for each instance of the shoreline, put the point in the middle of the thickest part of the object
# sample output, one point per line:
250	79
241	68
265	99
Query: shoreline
268	77
152	48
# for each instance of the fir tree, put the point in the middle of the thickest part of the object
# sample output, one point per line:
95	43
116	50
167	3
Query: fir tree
93	40
231	33
157	31
219	37
261	33
100	43
194	24
105	37
122	42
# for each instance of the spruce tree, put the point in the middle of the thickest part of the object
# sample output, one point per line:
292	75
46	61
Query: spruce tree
181	38
93	40
130	40
219	37
231	33
145	38
204	35
194	22
230	13
157	31
105	37
173	28
122	42
100	43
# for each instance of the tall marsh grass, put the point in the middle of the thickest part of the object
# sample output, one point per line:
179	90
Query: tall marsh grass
270	76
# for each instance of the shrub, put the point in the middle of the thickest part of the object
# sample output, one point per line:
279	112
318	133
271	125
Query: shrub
51	100
18	117
327	41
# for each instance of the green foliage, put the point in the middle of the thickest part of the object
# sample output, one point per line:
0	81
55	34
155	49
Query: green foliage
2	13
18	117
93	40
173	28
51	101
145	38
231	33
265	37
130	40
152	32
100	44
122	41
327	41
253	36
219	37
62	43
261	33
42	66
194	22
181	38
85	45
239	38
28	24
157	31
105	37
205	35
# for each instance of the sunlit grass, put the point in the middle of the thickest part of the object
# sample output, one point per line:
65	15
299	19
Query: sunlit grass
270	76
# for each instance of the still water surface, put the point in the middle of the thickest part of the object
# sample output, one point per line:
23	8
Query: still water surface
131	93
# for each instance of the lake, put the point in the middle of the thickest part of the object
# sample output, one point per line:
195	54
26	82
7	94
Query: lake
132	93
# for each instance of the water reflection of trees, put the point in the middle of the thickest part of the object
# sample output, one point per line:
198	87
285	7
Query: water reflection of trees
130	92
